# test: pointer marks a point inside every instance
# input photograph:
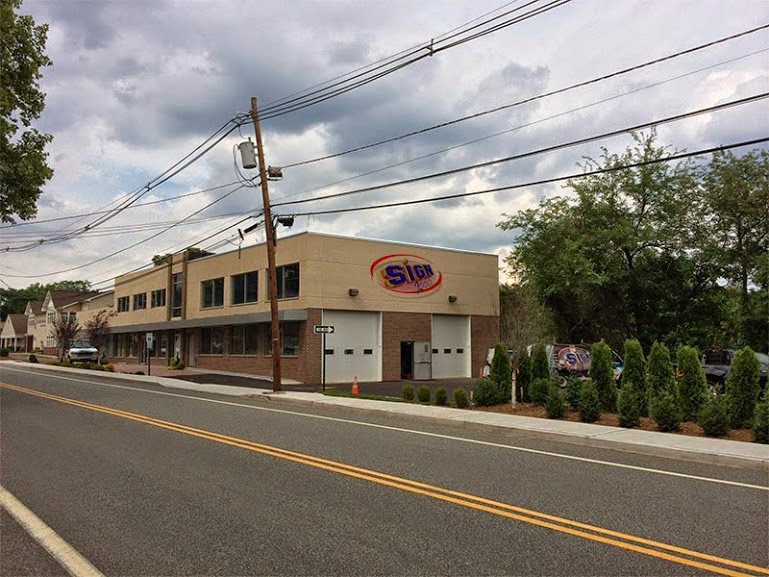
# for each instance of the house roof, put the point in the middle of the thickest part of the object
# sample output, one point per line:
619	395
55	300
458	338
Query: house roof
63	298
18	323
36	306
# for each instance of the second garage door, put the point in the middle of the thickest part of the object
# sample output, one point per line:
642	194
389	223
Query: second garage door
355	347
451	346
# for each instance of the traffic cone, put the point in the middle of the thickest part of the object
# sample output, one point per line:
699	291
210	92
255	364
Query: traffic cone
355	385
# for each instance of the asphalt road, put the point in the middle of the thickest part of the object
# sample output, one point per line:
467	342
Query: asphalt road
189	483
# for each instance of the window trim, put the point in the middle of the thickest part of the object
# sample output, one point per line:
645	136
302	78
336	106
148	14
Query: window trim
242	279
215	304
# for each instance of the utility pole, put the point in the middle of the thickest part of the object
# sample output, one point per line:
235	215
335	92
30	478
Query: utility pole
276	382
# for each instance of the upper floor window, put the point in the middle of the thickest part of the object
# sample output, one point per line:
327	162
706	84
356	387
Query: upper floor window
288	281
177	294
158	298
244	288
212	293
122	304
50	318
140	301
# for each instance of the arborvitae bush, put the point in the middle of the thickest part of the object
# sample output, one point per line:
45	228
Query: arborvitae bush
554	406
692	384
33	359
486	393
602	375
760	427
4	352
660	375
460	398
423	394
634	373
540	364
628	407
501	371
523	380
407	392
666	412
573	391
589	404
441	397
714	417
539	389
742	388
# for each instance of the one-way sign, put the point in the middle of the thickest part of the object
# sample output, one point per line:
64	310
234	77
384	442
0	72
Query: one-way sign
321	329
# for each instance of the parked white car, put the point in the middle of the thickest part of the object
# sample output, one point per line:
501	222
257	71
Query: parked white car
83	352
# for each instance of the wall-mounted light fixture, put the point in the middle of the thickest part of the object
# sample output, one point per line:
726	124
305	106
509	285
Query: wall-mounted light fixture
352	291
452	298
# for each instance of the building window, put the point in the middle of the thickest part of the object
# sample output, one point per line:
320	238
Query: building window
177	284
50	318
122	304
158	298
288	281
289	339
140	301
211	341
244	288
69	317
212	293
243	340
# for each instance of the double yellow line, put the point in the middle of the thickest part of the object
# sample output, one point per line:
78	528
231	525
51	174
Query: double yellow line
649	547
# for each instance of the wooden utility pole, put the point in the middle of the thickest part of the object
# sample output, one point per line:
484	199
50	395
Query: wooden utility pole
276	382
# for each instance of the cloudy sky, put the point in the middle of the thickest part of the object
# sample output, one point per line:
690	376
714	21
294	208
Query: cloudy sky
136	86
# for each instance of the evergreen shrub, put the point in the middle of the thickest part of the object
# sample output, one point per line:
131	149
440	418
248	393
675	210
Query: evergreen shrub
423	394
33	359
4	352
628	407
573	391
523	379
602	375
540	364
486	393
760	429
441	397
742	388
589	404
692	384
714	417
407	392
539	390
460	398
501	372
554	406
666	412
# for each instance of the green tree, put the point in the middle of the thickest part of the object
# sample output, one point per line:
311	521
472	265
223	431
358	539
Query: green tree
692	384
540	364
628	407
24	169
98	328
64	330
523	319
634	374
742	388
602	375
736	190
14	301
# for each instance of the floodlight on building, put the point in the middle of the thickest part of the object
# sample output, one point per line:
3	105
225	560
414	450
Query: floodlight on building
352	291
452	298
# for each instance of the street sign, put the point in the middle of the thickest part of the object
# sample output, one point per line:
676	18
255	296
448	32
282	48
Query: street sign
323	329
150	340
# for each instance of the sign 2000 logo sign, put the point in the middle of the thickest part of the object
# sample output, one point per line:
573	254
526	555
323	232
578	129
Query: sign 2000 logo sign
406	274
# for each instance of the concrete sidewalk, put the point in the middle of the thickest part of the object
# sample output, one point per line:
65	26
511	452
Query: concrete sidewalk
699	449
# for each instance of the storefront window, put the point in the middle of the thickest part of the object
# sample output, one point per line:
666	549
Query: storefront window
289	339
244	340
212	341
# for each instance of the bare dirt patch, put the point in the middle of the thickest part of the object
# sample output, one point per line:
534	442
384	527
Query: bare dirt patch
612	420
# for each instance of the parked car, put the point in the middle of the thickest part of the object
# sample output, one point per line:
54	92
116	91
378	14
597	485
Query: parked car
717	362
83	352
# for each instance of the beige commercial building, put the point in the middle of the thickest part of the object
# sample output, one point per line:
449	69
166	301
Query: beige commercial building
397	311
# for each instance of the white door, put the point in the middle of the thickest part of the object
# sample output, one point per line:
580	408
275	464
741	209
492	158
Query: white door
451	346
354	349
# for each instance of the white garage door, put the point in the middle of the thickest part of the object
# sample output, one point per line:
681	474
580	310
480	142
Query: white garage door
451	346
355	347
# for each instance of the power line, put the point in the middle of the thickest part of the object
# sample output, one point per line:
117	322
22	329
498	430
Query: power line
534	98
679	156
561	146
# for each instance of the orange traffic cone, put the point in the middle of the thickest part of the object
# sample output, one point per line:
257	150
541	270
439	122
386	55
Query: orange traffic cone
355	385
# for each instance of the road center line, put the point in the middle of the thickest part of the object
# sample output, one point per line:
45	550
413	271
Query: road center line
422	433
563	525
72	561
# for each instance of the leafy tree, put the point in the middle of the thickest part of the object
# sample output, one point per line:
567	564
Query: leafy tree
501	372
540	364
692	384
64	330
98	329
523	319
736	190
742	388
14	301
603	377
634	374
24	169
159	259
